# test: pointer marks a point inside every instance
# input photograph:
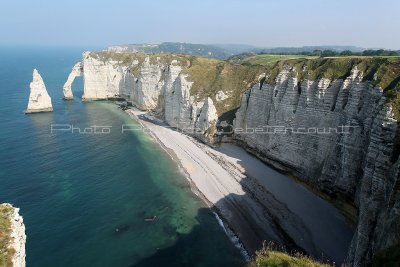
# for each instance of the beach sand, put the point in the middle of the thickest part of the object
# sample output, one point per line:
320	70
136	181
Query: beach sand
221	177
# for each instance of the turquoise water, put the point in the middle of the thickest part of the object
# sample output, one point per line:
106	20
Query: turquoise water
75	190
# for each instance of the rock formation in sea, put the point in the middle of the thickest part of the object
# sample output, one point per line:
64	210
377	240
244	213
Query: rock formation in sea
75	72
39	99
333	124
17	237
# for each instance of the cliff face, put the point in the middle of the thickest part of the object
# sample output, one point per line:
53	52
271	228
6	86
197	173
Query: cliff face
159	84
15	235
102	80
39	99
326	121
354	160
304	106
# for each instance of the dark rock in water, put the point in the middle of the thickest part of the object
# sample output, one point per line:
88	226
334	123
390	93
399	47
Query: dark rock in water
121	229
150	219
116	98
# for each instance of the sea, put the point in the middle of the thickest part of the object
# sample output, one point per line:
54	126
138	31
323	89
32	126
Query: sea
90	193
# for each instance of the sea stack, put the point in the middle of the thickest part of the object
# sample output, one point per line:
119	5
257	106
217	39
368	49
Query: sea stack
76	72
13	234
39	99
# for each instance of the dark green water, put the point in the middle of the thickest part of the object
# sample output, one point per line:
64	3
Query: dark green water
74	189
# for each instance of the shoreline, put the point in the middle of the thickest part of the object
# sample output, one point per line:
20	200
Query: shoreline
219	217
345	207
253	203
174	157
225	188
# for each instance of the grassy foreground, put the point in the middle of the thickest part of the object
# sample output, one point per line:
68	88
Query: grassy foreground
6	253
271	258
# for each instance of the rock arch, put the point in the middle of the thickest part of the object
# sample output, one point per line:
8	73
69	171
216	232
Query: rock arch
76	71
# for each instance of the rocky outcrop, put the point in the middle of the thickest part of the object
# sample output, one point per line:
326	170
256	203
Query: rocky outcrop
17	235
39	99
337	135
220	96
148	85
75	72
102	80
19	238
155	85
207	119
181	110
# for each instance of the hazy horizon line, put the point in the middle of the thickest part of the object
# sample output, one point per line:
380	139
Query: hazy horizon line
196	43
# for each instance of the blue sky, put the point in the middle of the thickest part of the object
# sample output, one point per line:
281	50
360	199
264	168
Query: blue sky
267	23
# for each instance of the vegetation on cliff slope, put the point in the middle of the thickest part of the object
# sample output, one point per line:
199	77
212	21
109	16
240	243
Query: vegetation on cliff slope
6	253
268	257
210	76
251	59
381	71
264	57
135	60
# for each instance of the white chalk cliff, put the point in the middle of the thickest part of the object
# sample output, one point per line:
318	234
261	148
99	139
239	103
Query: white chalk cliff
155	85
361	167
18	237
39	99
76	72
359	163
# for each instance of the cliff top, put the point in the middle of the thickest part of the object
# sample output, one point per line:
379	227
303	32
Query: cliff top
6	253
210	76
383	72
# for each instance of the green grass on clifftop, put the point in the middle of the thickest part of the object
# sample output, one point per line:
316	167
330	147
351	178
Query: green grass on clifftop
270	258
381	71
212	75
208	75
6	253
127	59
271	59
